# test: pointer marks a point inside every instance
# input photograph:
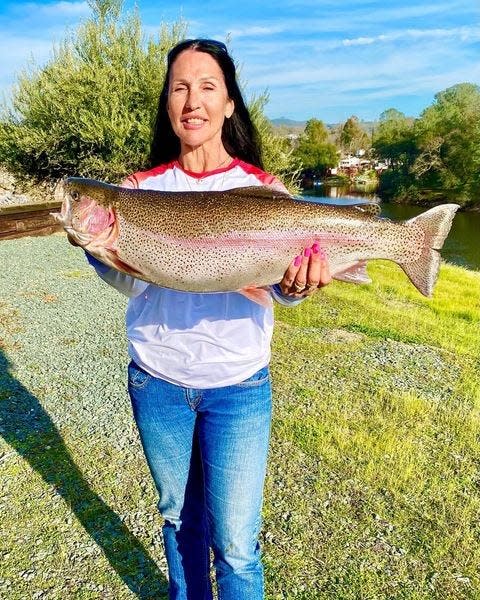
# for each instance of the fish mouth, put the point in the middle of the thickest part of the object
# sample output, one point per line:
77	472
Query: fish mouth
64	217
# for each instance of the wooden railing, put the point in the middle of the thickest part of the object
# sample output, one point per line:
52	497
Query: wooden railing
28	219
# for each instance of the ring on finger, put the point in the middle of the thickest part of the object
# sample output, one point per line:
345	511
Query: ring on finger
310	287
299	286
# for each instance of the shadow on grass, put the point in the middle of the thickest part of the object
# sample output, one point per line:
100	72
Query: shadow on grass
29	430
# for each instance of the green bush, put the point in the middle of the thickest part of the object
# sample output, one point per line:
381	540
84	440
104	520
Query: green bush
89	110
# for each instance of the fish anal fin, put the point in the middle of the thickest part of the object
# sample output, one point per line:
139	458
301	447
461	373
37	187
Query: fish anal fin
356	273
257	294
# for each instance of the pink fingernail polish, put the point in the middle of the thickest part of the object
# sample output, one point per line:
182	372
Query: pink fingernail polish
298	261
307	252
315	248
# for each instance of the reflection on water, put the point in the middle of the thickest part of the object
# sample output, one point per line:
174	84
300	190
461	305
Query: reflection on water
341	191
462	247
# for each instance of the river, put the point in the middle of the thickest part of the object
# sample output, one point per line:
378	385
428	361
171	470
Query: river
462	247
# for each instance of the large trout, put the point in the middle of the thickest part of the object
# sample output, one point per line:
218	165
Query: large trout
243	238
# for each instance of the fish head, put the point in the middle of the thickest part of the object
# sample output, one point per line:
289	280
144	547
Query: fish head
85	214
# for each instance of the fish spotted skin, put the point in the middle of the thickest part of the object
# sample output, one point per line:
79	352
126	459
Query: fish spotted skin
244	237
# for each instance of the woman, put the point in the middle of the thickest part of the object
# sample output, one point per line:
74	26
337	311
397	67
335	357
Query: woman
198	380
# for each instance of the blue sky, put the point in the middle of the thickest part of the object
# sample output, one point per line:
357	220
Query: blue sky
316	58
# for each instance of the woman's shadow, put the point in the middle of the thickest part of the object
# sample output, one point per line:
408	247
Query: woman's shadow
29	430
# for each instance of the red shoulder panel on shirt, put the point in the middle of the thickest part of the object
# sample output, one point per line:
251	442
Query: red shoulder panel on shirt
264	178
133	181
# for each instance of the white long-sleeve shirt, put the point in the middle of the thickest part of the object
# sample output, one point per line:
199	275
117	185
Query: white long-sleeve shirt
189	339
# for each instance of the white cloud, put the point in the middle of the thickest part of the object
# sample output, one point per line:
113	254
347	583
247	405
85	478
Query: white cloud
348	19
256	30
466	34
56	10
413	11
309	53
363	81
20	52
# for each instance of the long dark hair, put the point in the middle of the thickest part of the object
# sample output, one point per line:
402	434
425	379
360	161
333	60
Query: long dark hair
239	136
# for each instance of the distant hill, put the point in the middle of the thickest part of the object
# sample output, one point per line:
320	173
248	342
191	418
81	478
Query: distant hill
284	126
283	121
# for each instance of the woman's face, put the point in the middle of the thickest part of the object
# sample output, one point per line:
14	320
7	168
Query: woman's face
198	101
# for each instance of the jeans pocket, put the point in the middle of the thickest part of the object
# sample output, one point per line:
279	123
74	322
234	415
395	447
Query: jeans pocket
259	378
137	377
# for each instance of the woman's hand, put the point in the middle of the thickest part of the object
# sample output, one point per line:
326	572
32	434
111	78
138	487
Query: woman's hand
306	273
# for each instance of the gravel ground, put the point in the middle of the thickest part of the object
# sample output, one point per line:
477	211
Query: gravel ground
15	193
62	370
12	199
69	337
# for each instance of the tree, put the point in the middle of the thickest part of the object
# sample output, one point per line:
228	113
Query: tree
314	150
448	137
352	137
277	154
394	143
394	140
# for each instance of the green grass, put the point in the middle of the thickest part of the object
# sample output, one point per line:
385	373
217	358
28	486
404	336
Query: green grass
374	486
373	489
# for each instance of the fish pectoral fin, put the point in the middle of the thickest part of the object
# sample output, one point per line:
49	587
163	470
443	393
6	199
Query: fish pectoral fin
257	294
124	267
356	273
110	257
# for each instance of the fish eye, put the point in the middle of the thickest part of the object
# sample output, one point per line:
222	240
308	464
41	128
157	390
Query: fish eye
75	195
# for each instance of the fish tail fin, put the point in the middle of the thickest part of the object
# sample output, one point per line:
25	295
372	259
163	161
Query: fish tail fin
435	224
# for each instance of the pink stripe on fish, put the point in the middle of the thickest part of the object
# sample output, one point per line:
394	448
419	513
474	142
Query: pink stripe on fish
255	239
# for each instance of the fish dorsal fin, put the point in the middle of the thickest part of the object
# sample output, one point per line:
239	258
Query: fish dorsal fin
258	191
370	208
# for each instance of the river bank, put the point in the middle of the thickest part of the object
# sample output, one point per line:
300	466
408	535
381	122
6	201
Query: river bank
14	192
340	186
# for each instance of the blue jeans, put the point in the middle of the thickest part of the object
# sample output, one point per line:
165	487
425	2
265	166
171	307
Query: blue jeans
207	452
